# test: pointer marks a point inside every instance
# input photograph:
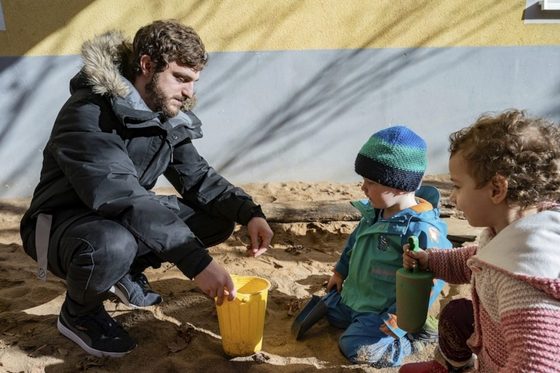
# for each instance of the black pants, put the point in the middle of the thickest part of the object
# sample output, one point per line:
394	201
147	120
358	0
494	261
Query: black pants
93	253
456	325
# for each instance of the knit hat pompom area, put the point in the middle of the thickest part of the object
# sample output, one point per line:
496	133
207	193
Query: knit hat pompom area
395	157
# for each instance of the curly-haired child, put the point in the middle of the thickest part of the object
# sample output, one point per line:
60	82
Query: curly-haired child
505	171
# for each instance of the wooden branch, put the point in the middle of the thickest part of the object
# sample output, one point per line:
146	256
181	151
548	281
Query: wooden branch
459	239
310	211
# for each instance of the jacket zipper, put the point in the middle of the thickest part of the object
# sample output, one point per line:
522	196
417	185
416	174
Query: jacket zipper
170	151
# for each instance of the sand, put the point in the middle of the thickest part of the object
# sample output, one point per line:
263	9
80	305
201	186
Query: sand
182	334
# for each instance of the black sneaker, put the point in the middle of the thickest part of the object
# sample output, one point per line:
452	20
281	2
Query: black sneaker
98	333
135	291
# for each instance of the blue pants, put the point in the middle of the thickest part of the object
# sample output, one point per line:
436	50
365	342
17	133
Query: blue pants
362	341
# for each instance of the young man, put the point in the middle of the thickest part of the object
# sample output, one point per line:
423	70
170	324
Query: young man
93	220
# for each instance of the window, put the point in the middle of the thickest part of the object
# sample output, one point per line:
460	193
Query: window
534	11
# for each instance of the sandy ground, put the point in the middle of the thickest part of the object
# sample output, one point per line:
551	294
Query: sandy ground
182	333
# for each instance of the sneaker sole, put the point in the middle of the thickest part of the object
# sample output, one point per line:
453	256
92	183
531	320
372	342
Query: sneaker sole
90	350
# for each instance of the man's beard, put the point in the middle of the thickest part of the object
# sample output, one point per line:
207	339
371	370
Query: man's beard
158	100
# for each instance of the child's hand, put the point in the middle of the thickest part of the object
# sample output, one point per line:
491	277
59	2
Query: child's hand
411	259
335	280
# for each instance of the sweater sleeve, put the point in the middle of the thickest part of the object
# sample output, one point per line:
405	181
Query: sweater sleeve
530	322
451	264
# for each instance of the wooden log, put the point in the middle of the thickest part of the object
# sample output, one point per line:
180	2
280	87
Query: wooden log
310	211
318	211
459	239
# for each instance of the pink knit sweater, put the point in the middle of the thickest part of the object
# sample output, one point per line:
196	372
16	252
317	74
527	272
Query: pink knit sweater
515	279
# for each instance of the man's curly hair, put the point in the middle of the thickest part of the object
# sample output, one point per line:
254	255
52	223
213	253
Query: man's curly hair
168	41
524	150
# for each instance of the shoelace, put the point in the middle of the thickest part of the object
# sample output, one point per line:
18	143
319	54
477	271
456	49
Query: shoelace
100	320
143	281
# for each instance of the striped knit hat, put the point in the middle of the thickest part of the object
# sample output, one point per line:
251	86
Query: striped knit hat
394	157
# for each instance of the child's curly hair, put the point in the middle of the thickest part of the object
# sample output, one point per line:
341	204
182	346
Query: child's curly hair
522	149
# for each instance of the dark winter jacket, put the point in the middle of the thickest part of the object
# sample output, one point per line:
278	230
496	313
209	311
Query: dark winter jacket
107	150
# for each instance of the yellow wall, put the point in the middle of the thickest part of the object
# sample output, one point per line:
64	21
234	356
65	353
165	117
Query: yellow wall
58	27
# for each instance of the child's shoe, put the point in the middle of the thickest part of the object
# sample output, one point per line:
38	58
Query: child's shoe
427	336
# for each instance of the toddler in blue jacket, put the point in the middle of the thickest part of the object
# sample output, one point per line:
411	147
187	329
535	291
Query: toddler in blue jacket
361	295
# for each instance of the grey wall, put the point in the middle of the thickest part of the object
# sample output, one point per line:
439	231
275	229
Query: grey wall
283	116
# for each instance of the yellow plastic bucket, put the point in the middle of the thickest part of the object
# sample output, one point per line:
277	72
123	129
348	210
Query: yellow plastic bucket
241	320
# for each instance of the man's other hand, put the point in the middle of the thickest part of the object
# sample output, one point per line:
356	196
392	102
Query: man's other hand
260	234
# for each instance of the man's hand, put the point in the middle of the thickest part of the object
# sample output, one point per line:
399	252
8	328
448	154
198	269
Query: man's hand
260	234
214	281
335	280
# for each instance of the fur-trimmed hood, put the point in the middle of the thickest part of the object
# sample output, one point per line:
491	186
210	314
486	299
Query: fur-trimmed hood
105	58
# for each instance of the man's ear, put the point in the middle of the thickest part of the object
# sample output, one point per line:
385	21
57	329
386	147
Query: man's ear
146	65
499	189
